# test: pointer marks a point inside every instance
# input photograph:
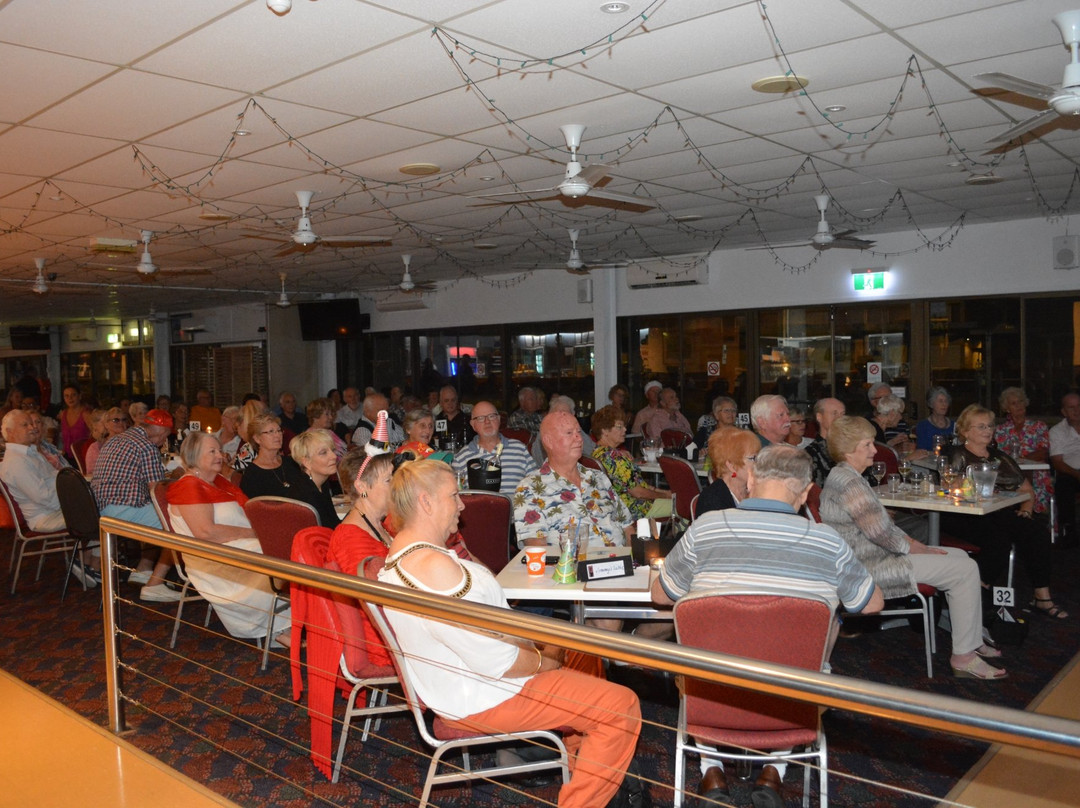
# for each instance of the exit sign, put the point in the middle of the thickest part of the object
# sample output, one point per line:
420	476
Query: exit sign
868	281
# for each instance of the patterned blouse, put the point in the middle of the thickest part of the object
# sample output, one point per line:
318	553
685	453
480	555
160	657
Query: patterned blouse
624	475
1032	437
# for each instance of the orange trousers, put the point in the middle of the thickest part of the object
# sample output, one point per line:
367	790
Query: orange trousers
605	719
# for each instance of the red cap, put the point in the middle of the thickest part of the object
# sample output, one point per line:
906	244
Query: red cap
158	418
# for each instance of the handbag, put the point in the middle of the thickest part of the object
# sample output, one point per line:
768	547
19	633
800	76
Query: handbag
1006	628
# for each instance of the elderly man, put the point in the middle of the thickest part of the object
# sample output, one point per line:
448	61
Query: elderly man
527	415
452	422
559	403
349	415
652	404
374	402
511	455
128	466
546	501
1065	459
764	545
666	416
770	419
292	420
826	410
204	411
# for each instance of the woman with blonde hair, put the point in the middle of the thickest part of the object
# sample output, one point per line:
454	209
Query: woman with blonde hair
313	451
111	422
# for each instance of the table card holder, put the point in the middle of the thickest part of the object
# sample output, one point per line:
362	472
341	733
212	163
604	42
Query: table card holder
610	562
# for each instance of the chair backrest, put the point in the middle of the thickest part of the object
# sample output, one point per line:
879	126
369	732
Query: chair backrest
590	462
674	438
276	520
523	435
21	528
788	630
693	505
813	502
683	480
78	451
77	503
161	504
485	525
883	453
349	622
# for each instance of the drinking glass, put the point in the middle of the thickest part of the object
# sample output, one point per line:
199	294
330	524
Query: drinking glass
904	467
650	449
878	472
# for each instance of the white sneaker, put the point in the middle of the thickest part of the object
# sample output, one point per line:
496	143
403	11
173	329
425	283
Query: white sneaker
159	593
139	576
83	576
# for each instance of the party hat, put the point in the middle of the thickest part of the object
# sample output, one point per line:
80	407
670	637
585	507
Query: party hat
378	444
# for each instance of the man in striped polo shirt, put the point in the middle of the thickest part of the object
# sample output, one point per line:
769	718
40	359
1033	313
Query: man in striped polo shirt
764	546
512	455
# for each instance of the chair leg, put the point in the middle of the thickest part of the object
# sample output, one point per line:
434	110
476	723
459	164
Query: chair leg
71	566
179	615
269	631
680	776
18	565
928	633
345	733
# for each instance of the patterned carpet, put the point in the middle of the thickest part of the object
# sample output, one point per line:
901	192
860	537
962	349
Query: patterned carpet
208	711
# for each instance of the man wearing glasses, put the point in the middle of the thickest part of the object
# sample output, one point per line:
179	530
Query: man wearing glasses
488	445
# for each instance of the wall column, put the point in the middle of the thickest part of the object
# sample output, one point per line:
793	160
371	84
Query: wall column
606	347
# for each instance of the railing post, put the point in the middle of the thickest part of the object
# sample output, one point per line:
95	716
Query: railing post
109	608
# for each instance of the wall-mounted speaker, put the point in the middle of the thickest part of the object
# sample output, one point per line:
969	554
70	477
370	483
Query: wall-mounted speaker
1066	252
584	290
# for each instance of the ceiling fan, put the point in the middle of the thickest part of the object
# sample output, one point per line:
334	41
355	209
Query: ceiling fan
304	239
407	284
580	185
575	264
39	286
283	301
146	266
1063	101
825	238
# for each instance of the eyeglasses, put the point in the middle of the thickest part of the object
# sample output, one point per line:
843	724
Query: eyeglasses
798	421
489	418
729	410
271	432
982	426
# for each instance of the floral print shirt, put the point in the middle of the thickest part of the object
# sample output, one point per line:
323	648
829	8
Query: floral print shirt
545	502
623	475
1018	443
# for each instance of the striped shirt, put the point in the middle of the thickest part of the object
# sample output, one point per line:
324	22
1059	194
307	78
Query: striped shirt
763	546
515	459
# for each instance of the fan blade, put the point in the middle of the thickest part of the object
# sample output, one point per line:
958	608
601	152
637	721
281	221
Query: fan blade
1022	127
628	202
278	239
521	200
783	246
594	173
848	244
522	194
1007	82
340	242
295	248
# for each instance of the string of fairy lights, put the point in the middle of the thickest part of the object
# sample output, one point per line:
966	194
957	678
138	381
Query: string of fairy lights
616	240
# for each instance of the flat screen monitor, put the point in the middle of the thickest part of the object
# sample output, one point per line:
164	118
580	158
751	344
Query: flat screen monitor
332	319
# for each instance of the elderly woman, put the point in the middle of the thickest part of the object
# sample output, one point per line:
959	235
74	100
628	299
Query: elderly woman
937	422
205	505
896	561
229	435
724	410
642	499
419	426
479	681
113	422
997	532
797	436
313	451
320	414
137	412
1024	438
249	411
887	415
619	397
731	451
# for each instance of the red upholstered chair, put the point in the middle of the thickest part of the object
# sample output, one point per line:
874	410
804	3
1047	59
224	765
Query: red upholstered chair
78	451
347	625
682	479
59	541
813	503
442	738
485	525
276	520
674	438
883	453
188	593
523	435
590	463
740	724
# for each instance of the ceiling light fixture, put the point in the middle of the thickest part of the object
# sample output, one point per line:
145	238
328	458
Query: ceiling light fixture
241	132
615	8
485	245
983	179
688	217
835	108
780	84
420	169
279	6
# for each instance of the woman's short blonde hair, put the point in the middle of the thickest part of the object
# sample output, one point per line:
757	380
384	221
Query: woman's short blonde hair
192	447
971	411
729	444
258	424
307	443
410	481
350	465
845	434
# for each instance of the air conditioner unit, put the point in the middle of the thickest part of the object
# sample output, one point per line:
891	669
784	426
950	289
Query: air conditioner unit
113	245
403	302
680	271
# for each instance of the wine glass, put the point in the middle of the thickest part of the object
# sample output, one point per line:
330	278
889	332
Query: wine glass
878	472
904	467
949	477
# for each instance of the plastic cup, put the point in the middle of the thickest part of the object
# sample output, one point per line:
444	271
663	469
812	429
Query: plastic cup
894	483
534	560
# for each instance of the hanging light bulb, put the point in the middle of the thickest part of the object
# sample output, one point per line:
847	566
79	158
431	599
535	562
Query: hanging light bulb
40	287
279	6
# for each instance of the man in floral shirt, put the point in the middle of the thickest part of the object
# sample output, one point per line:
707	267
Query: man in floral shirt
546	501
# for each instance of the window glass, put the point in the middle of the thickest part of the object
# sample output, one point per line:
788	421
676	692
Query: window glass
974	349
872	340
795	351
1051	351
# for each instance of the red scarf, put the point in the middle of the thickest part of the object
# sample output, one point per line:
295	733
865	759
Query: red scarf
190	490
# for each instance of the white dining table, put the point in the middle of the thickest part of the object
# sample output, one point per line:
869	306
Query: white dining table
1025	465
654	468
936	504
621	598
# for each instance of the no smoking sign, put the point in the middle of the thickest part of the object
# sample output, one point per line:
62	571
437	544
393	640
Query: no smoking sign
712	368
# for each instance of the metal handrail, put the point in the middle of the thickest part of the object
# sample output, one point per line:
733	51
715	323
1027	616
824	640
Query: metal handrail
984	722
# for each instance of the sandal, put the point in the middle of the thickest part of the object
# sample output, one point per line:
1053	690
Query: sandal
977	669
1052	611
988	652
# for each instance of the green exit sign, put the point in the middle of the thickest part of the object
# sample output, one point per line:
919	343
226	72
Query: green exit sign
868	281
